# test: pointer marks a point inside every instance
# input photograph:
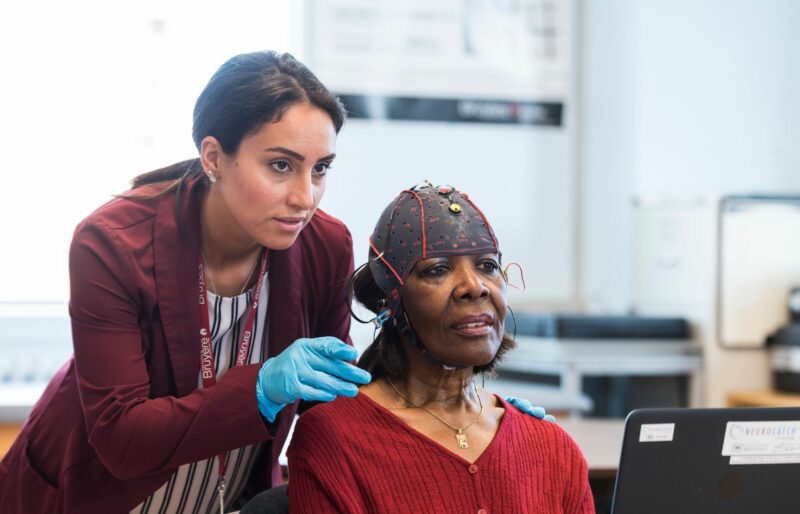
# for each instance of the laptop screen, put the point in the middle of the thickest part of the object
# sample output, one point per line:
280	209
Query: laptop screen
708	461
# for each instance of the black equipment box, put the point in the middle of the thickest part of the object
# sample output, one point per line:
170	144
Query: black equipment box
785	356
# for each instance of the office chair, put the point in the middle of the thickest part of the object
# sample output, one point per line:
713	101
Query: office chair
271	501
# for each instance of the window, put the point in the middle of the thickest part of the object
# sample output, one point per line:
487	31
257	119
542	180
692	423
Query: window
94	93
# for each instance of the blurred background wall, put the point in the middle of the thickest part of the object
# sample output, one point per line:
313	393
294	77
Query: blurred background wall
682	99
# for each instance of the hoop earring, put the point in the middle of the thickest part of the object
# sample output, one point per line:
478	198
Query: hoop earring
513	319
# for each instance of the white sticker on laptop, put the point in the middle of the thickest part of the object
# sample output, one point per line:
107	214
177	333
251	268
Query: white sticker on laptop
656	432
762	442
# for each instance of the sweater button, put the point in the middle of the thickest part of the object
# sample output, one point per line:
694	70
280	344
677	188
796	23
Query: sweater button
474	469
483	511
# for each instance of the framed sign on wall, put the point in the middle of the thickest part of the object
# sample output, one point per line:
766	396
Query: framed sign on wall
469	61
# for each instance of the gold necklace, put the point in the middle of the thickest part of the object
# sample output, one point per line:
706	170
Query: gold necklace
211	278
461	439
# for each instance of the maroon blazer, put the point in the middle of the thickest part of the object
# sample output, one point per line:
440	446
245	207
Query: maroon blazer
118	419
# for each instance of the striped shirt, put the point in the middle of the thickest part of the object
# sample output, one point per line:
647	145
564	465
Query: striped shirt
193	487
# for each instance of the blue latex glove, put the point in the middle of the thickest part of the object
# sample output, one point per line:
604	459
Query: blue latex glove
309	369
526	407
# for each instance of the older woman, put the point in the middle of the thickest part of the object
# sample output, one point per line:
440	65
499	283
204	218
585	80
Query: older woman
423	437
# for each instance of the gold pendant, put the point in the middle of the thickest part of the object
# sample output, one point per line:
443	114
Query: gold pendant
461	439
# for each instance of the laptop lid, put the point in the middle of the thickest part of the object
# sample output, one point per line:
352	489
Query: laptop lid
704	461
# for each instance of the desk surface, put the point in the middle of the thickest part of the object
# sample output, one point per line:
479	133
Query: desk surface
601	443
763	398
8	432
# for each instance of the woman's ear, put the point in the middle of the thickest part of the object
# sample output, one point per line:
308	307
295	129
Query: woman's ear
211	155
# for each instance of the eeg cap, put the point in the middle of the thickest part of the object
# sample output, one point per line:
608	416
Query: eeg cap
424	222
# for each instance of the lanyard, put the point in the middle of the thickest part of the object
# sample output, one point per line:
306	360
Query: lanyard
208	370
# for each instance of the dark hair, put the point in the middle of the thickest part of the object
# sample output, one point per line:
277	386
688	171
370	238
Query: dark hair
246	92
385	355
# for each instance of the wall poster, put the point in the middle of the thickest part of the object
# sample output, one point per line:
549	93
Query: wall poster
485	61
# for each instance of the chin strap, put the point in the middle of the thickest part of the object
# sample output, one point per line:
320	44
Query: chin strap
408	331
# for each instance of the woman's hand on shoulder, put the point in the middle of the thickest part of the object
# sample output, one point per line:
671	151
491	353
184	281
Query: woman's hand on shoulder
525	406
309	369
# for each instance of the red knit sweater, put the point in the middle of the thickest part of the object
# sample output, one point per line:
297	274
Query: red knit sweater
354	456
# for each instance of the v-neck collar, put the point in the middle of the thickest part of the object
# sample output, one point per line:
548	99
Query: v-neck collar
501	429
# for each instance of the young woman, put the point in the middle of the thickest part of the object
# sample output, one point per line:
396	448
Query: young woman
423	436
180	289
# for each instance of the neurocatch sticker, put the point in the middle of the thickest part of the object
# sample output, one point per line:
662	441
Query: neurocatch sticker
656	432
762	442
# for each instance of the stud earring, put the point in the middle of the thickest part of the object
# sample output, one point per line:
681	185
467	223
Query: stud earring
211	177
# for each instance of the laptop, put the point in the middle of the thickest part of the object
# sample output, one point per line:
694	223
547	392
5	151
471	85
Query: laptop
709	461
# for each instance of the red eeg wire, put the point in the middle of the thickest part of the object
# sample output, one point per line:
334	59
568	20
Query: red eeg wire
380	256
422	214
485	221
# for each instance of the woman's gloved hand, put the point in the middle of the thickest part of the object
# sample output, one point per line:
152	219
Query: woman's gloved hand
526	407
309	369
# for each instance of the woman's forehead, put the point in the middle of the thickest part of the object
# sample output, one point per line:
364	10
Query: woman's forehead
472	256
